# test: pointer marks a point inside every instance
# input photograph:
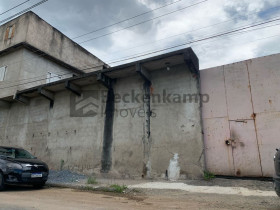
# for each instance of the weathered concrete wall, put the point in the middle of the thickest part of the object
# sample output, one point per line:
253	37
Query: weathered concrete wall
43	36
127	150
33	30
12	73
176	128
26	69
52	135
77	142
21	26
243	109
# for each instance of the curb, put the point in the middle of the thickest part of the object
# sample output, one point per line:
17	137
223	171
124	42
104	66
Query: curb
83	187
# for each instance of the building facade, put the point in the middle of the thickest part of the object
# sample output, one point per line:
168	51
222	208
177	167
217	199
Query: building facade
32	52
133	120
125	121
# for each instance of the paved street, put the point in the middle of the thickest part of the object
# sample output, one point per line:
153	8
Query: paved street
56	198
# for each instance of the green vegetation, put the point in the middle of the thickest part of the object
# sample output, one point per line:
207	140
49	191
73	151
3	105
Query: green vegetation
91	180
119	189
208	175
113	188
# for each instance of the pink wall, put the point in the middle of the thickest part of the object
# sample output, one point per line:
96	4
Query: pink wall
244	108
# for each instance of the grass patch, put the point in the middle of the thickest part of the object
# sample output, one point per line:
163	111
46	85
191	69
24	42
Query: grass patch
119	189
208	175
91	180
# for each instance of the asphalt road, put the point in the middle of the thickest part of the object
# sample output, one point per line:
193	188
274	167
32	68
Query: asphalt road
18	198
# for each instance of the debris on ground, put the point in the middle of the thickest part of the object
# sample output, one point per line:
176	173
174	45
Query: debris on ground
65	176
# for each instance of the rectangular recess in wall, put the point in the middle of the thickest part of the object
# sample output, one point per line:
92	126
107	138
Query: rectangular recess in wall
10	31
3	70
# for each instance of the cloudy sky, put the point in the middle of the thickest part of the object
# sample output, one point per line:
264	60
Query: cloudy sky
179	23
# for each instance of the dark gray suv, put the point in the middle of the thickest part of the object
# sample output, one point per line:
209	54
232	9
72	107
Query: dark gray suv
17	166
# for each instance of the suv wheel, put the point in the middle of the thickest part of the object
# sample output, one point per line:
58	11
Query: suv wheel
2	184
39	185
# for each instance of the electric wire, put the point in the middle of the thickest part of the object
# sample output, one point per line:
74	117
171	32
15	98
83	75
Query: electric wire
154	41
125	20
23	11
14	7
148	53
131	26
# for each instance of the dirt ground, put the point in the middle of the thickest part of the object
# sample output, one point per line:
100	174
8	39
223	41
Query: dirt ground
16	198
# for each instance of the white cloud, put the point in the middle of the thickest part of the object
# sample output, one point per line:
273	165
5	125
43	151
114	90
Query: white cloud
222	51
88	15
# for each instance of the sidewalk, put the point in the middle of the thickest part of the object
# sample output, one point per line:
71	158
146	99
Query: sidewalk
214	186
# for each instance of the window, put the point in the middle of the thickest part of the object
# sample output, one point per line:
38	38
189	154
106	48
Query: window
52	77
2	72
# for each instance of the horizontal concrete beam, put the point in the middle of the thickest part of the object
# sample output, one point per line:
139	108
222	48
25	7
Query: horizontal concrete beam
5	104
73	88
21	99
47	94
104	80
144	73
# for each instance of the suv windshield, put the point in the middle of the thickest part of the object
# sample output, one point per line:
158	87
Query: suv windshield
15	153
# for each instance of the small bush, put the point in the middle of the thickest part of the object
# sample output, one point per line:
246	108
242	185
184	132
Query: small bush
208	175
119	189
91	180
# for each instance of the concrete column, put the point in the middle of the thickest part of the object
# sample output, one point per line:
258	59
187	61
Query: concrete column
147	129
106	160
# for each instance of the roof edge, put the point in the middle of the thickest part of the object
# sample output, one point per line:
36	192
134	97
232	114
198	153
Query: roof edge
40	53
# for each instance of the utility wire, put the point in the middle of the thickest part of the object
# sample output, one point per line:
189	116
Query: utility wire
198	40
197	29
23	11
100	65
113	32
13	7
168	48
140	55
122	21
155	41
123	28
193	45
189	43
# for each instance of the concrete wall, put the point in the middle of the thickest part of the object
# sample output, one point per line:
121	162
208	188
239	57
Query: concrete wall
244	109
177	125
52	135
77	143
9	85
43	36
31	29
26	69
